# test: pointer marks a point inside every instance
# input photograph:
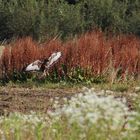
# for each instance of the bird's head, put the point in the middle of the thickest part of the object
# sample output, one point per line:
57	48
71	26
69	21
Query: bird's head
45	61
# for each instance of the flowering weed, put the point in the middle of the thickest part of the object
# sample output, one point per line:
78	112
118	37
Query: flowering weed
84	116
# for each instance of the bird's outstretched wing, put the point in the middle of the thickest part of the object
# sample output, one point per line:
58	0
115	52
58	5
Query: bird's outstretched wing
53	59
35	66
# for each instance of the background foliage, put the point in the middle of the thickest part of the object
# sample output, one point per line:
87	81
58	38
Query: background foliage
67	18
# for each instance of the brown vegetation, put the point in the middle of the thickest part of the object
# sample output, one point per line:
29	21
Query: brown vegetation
91	51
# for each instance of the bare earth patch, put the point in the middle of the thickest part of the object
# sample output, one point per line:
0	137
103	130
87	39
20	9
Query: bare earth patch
39	100
26	100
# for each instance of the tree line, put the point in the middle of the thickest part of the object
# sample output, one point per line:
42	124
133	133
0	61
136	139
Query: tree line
43	19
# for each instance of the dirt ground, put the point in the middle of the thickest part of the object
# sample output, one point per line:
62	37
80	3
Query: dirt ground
26	100
37	99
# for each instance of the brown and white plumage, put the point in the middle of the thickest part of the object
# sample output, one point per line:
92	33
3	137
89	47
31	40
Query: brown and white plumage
35	66
53	59
45	64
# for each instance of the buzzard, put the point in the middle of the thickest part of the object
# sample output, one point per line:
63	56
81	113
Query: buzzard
44	65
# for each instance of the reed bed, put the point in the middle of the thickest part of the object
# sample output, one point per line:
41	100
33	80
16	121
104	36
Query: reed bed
93	52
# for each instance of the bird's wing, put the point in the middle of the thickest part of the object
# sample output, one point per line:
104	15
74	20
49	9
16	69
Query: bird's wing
53	58
35	66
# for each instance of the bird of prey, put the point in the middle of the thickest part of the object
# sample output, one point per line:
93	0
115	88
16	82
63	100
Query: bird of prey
44	65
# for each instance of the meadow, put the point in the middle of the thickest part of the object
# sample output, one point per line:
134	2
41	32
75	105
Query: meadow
87	115
57	106
92	92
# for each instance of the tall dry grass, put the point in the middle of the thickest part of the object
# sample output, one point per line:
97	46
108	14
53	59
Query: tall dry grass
93	51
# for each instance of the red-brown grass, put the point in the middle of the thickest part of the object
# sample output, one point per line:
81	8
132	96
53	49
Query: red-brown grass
91	51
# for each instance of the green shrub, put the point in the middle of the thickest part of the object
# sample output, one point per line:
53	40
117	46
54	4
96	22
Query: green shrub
63	19
22	18
51	18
